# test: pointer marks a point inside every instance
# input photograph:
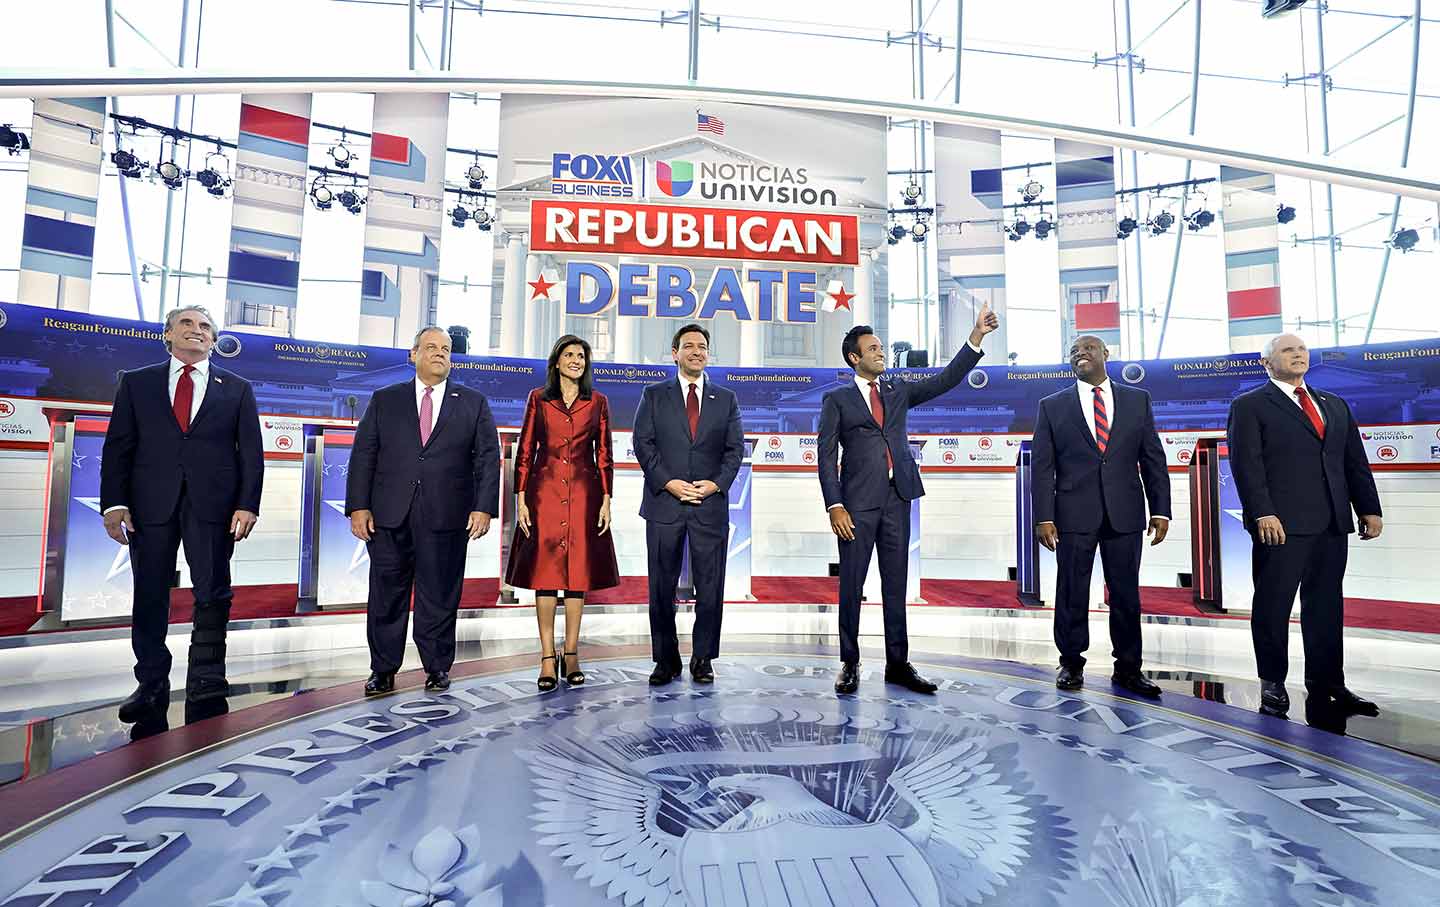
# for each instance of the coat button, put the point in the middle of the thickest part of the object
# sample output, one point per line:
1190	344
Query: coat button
563	523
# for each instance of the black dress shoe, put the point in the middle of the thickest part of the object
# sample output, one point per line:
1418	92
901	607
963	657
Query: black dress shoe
849	679
663	674
1274	701
201	709
700	670
1347	701
904	674
437	681
380	682
1136	683
1068	678
148	703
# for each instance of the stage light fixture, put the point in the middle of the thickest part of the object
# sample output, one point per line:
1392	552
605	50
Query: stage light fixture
1405	239
897	232
482	219
912	193
350	200
1126	226
920	230
1021	226
170	174
1043	226
1284	214
1031	190
128	164
1161	223
212	179
459	215
476	175
321	195
1199	220
13	141
341	154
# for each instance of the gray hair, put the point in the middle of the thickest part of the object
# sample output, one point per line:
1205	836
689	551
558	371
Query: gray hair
175	314
415	344
1269	349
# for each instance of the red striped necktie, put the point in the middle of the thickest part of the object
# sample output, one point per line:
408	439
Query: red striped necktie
1102	421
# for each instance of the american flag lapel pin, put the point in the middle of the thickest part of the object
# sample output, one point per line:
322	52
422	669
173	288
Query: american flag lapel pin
219	380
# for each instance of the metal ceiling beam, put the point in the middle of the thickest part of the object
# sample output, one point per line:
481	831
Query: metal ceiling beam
68	83
1404	161
1180	228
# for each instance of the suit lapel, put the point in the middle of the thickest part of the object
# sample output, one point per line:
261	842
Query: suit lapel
447	412
709	410
411	409
1076	413
1277	397
214	387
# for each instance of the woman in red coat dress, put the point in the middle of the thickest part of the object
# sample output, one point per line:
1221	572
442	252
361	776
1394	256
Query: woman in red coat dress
564	471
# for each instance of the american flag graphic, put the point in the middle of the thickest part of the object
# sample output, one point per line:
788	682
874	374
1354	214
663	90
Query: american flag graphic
713	125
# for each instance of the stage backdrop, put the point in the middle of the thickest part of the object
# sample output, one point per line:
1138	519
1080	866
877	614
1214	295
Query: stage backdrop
625	217
67	356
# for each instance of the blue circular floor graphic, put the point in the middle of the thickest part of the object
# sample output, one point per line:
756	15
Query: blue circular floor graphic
764	789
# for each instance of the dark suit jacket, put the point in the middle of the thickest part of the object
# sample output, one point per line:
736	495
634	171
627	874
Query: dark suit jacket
858	481
666	451
146	457
1074	485
1283	469
456	473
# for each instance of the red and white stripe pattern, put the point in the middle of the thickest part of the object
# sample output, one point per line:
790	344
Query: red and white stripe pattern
712	125
1102	421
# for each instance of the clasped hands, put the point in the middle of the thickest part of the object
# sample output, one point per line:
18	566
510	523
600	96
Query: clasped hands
691	492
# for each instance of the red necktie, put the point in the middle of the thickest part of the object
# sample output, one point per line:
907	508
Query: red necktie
1311	412
427	416
1102	421
692	411
184	396
877	412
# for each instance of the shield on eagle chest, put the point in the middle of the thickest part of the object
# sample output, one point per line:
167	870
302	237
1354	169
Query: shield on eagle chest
794	864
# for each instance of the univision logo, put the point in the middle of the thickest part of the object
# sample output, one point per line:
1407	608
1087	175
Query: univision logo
675	178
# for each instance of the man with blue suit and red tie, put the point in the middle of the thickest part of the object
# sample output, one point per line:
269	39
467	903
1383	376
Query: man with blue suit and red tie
183	463
1095	447
868	491
1300	469
424	482
689	441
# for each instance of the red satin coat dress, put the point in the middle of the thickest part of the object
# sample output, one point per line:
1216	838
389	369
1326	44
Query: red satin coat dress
564	465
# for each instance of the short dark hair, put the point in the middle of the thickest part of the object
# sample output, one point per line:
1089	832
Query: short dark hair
552	367
415	344
850	346
689	329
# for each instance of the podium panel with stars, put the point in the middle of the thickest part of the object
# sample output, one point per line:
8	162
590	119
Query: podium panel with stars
762	789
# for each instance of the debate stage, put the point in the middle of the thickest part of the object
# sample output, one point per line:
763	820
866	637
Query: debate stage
763	789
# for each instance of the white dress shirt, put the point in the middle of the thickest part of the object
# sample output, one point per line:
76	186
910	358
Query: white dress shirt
1289	391
685	389
437	398
1087	403
199	378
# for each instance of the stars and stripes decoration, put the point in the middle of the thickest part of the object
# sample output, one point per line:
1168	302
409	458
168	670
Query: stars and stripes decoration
712	125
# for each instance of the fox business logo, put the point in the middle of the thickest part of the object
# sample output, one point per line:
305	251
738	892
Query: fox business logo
1435	451
809	442
604	175
949	442
772	455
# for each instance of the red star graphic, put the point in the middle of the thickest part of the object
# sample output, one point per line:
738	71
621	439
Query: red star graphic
842	299
541	288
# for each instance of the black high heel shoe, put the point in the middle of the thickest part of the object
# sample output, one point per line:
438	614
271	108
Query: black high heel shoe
546	684
576	677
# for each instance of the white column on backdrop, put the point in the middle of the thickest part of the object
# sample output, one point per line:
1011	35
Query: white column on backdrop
512	312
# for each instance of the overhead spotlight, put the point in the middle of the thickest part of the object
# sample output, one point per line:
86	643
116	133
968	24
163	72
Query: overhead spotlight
170	174
897	233
1126	226
1199	220
1284	214
919	230
1021	226
912	193
1276	7
1161	222
321	195
211	178
127	163
1405	239
1043	226
476	175
459	215
482	219
350	200
1031	190
12	141
341	154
